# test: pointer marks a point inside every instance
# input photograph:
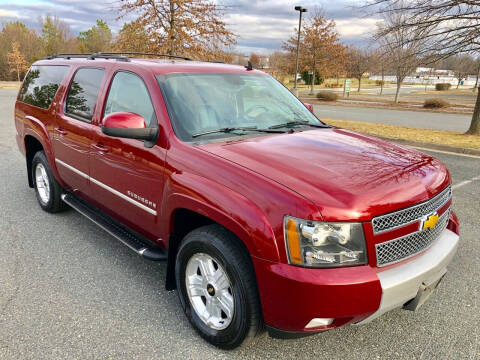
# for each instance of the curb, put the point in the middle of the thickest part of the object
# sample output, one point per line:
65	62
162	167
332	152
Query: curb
453	149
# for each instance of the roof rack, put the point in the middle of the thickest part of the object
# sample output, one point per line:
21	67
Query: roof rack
119	56
88	56
147	54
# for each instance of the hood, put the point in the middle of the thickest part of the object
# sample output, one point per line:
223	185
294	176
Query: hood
348	176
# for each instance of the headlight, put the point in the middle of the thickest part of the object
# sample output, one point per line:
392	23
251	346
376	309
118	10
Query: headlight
323	244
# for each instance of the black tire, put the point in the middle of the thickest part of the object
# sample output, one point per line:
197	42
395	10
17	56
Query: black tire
54	203
227	250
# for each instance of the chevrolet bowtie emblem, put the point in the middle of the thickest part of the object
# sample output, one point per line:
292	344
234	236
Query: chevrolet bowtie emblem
429	221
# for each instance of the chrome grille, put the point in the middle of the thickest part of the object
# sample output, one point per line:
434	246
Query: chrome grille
411	214
392	251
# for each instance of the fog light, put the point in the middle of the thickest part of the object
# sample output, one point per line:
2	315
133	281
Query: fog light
317	322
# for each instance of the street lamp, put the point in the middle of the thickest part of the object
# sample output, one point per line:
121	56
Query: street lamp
300	10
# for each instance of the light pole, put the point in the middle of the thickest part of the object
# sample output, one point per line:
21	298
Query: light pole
300	10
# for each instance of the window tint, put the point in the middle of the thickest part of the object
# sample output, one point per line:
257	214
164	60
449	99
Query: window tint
128	93
41	85
83	92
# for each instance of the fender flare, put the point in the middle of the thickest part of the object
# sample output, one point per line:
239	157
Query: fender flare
248	222
38	131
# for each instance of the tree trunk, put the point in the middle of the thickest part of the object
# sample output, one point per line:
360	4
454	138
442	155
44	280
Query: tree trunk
172	28
382	82
475	124
458	82
359	83
397	93
313	77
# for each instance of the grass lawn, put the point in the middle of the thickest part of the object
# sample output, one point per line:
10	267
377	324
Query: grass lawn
439	137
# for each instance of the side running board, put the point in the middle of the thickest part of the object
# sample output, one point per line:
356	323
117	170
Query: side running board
128	237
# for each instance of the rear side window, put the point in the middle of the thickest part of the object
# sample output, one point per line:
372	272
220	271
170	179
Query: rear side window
83	92
41	85
128	93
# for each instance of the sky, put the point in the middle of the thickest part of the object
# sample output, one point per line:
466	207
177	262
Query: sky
262	25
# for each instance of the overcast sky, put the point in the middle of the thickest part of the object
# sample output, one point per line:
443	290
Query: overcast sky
262	25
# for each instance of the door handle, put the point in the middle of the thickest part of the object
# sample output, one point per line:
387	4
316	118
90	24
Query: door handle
101	148
60	131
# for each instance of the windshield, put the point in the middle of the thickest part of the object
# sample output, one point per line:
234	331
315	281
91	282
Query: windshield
202	104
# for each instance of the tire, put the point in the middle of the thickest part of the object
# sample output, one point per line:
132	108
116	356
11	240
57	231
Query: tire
216	244
47	189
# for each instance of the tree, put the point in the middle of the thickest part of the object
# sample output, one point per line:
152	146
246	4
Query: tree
255	60
96	39
56	36
401	46
133	38
448	27
279	65
462	65
16	60
320	46
360	62
182	27
28	41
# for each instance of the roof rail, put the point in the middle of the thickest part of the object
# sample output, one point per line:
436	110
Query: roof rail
93	56
146	54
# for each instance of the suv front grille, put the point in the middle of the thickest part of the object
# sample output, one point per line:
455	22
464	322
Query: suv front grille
395	250
411	214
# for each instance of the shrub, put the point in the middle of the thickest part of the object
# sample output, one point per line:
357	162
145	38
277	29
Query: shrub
443	86
333	85
307	77
327	96
435	103
379	82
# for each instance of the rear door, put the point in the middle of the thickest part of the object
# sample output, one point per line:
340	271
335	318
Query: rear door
127	175
73	133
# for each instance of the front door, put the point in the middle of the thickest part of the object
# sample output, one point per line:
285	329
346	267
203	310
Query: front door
127	175
73	132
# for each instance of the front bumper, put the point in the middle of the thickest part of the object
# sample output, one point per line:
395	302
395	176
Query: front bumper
292	296
401	283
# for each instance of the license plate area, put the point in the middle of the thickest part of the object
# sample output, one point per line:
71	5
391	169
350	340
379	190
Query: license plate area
426	289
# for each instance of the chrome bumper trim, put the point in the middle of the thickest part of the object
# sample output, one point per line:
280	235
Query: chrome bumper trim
401	283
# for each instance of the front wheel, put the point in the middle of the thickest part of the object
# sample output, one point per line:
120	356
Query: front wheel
217	286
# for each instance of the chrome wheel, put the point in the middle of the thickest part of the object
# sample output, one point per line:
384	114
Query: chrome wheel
210	291
42	183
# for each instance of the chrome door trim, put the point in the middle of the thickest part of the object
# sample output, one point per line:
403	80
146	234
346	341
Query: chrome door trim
108	188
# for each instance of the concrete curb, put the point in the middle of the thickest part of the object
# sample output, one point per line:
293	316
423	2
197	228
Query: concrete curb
431	146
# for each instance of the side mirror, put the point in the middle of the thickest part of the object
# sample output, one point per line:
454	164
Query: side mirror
309	107
127	125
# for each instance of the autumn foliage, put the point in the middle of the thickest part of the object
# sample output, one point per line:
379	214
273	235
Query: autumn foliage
320	49
16	60
193	28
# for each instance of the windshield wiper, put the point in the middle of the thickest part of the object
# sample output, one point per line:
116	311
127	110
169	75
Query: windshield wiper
230	129
297	122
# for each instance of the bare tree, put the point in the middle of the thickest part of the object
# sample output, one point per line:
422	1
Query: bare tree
401	45
462	65
448	27
360	62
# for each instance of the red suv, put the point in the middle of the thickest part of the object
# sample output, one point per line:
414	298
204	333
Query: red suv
266	216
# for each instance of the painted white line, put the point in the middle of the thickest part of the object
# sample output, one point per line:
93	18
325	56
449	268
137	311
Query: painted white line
108	188
466	182
445	152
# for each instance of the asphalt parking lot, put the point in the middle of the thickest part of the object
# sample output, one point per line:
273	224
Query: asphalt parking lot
68	290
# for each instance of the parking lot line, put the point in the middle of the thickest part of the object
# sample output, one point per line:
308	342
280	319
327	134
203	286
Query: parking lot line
445	152
465	182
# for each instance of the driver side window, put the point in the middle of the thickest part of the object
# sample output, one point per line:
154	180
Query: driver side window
128	93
